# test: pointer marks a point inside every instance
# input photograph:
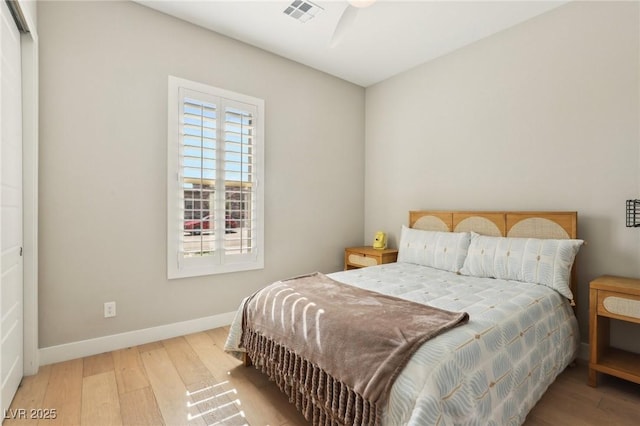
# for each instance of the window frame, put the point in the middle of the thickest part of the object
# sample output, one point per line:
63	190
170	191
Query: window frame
178	265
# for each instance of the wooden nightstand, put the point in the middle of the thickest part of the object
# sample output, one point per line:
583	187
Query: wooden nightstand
360	257
618	298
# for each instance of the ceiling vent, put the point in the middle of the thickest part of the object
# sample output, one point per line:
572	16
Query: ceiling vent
302	10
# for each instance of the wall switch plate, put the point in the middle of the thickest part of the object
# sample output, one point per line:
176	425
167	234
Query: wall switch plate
109	309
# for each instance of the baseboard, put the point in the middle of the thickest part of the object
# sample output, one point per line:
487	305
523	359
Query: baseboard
80	349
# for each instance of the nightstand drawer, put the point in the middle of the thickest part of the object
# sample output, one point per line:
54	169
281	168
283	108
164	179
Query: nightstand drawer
619	305
358	259
361	257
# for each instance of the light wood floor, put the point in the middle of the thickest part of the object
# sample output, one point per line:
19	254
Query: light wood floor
190	380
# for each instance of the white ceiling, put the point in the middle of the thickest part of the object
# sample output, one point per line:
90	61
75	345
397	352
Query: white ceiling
385	39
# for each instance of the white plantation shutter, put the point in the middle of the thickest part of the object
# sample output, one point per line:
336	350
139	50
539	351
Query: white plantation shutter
240	182
215	205
198	166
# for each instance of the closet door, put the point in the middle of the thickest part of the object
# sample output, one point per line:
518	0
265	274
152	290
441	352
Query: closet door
11	277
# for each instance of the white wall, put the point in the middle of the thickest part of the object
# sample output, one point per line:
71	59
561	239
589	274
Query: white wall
103	136
543	116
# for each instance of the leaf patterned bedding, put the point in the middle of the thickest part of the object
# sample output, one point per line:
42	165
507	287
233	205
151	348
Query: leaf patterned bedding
490	371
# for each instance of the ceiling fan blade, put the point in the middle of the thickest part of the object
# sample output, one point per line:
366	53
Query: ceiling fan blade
346	20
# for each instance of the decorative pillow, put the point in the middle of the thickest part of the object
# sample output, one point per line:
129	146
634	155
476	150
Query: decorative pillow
532	260
441	250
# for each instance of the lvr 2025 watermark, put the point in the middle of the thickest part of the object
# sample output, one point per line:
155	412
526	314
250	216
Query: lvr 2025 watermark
30	413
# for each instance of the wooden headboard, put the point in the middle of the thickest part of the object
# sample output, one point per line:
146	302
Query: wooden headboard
557	225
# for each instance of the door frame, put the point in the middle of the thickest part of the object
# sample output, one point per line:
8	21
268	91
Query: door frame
25	20
29	45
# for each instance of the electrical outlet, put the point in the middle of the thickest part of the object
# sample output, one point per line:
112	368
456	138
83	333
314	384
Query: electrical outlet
109	309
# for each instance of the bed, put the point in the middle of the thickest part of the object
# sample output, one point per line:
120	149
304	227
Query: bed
511	273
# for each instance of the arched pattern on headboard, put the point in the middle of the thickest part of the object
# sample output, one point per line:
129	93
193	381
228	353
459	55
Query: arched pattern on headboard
431	223
480	225
534	226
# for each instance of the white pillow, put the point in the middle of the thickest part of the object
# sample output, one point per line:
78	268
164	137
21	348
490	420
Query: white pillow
441	250
540	261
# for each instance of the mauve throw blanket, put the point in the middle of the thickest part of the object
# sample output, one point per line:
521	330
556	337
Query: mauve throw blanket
335	349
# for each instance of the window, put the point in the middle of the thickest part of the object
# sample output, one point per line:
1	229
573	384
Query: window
215	169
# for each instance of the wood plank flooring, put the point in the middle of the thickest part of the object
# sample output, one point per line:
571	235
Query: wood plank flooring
189	380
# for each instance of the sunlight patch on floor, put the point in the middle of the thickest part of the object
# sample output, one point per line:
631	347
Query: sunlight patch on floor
216	403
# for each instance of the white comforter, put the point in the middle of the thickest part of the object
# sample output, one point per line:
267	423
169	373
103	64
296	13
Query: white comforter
490	371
